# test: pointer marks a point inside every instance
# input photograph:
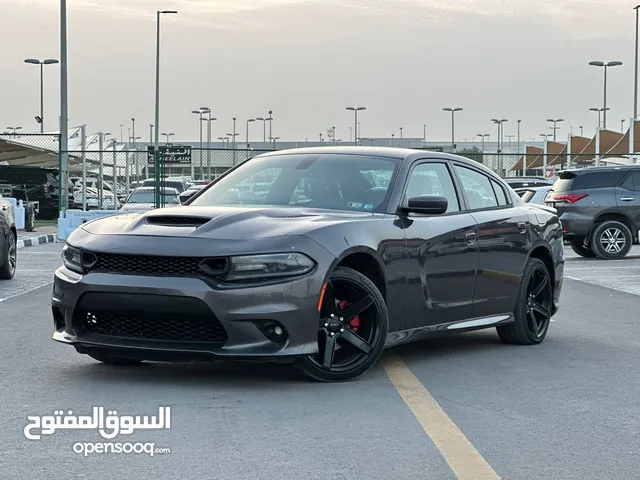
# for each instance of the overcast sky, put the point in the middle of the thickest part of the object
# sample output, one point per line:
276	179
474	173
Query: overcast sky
307	59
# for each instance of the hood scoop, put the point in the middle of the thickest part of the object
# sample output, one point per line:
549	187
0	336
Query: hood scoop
176	221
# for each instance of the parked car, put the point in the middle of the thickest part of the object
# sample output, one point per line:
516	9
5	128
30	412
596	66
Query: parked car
178	184
190	192
526	182
599	208
535	195
8	240
143	198
327	270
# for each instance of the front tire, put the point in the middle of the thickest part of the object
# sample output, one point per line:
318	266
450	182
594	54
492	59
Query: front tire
352	331
578	246
611	240
533	307
8	269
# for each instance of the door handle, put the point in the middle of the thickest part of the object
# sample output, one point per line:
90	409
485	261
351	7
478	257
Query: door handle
470	238
627	199
522	227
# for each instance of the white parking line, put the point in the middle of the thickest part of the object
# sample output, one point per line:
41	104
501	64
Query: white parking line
24	292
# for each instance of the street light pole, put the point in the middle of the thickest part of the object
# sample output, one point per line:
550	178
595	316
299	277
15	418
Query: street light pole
453	124
355	111
555	122
635	83
168	135
156	142
270	123
400	137
604	65
199	113
64	112
247	133
35	61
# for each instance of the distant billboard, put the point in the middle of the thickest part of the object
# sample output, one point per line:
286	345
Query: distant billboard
175	154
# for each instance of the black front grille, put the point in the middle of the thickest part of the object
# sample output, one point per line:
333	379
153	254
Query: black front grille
144	264
148	317
182	329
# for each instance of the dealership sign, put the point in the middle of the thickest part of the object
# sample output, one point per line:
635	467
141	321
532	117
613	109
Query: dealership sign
180	154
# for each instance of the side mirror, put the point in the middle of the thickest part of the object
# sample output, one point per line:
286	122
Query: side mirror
186	195
429	204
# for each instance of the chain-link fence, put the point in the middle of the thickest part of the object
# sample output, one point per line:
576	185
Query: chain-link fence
29	167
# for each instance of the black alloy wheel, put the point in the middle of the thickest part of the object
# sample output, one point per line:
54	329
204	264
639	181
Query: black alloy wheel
8	269
533	307
353	328
578	246
611	240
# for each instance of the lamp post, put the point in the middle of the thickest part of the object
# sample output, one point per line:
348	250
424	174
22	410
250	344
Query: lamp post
209	119
200	114
156	143
499	123
101	170
581	130
64	110
605	66
233	140
264	131
401	137
167	135
622	125
35	61
15	129
482	136
635	83
599	110
247	133
355	111
274	141
555	122
453	124
270	120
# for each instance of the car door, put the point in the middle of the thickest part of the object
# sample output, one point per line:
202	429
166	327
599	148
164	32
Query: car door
442	252
504	241
628	197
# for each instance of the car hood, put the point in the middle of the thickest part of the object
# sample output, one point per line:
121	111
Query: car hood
229	223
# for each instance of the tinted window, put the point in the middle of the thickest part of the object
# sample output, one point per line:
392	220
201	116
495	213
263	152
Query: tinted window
433	179
632	182
332	181
477	188
598	179
499	191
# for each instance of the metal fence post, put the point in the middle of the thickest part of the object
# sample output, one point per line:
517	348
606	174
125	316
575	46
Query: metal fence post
569	152
598	146
83	148
114	172
632	128
100	170
126	172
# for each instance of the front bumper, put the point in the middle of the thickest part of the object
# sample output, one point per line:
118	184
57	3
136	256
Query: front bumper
243	313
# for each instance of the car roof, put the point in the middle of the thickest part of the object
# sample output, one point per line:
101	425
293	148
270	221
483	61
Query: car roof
406	154
608	168
151	189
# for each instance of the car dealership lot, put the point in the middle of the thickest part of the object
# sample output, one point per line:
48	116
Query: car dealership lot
564	409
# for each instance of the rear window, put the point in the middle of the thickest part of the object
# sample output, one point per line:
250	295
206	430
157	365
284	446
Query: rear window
594	179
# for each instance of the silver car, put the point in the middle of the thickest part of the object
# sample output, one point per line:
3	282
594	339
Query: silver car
143	199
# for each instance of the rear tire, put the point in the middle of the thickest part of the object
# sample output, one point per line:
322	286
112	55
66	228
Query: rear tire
110	359
578	246
533	307
611	240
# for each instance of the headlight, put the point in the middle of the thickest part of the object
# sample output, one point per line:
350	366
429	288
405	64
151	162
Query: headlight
72	258
262	267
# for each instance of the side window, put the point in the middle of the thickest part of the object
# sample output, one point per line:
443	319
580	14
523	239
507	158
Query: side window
433	179
499	191
632	182
477	188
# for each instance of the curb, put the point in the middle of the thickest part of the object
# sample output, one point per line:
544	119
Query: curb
32	241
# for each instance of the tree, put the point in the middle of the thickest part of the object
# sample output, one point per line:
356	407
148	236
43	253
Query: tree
473	153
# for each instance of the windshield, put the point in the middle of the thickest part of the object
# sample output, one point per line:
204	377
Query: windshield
329	181
148	197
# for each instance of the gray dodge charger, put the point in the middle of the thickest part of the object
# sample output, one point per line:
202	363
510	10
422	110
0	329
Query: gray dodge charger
318	257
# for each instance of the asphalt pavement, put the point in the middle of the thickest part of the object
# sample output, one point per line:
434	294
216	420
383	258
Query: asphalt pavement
566	409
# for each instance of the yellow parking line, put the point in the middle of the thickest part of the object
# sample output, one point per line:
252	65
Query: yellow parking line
462	457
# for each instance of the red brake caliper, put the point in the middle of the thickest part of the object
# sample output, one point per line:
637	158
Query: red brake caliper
355	323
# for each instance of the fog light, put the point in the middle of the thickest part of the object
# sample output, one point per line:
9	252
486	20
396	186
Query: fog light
277	330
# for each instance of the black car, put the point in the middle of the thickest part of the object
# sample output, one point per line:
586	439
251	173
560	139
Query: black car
8	240
599	208
299	256
526	182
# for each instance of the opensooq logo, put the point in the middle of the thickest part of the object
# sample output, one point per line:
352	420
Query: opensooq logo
109	426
